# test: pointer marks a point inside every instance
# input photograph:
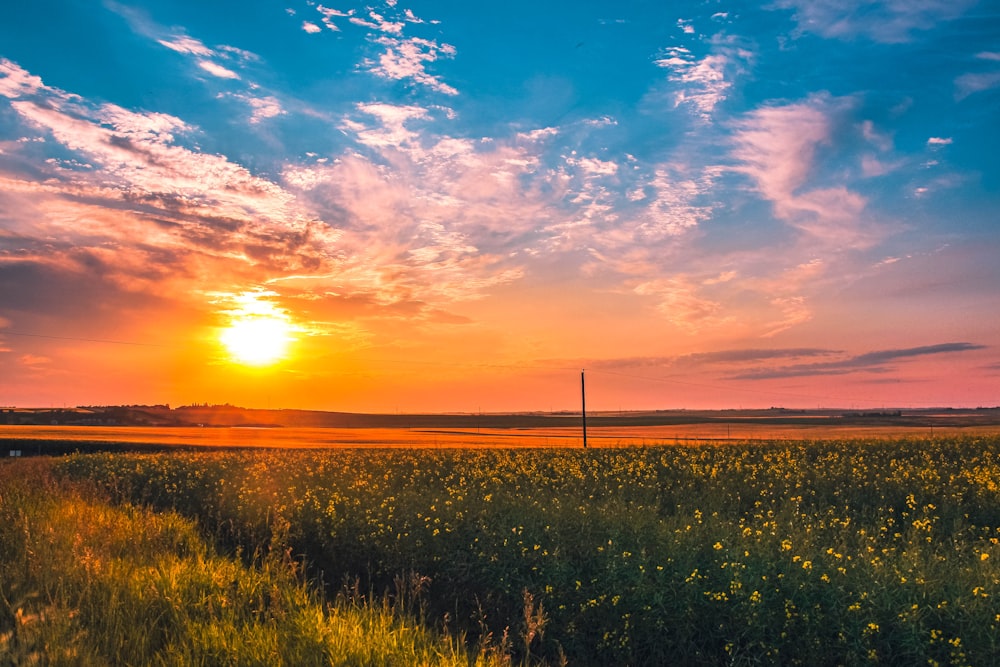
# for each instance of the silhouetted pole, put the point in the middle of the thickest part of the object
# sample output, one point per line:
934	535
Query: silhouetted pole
583	402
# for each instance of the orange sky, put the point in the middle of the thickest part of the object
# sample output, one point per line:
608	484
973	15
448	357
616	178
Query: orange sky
520	353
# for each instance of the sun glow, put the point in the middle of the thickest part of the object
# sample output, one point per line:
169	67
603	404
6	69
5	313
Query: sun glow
259	333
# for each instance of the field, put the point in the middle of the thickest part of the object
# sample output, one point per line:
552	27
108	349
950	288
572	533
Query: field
84	581
495	431
872	551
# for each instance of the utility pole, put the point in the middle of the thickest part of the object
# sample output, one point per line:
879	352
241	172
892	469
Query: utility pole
583	403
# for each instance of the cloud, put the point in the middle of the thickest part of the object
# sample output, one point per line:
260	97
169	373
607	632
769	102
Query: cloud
939	141
794	311
594	166
134	190
871	362
231	52
379	22
967	84
411	17
391	130
217	70
697	361
443	221
412	201
402	58
680	303
750	355
777	146
261	108
408	58
703	84
330	14
205	57
16	81
872	166
887	21
311	28
194	47
678	202
56	283
34	361
883	142
187	45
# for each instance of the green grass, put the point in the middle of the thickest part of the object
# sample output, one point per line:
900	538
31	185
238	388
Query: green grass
832	553
85	582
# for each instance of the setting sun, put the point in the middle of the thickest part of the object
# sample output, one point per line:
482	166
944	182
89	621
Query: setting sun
259	333
257	341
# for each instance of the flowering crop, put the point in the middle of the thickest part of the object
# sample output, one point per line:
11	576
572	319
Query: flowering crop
803	553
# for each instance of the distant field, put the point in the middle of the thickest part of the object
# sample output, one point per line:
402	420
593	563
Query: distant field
34	439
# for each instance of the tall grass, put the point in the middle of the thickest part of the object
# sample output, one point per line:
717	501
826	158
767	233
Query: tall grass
85	582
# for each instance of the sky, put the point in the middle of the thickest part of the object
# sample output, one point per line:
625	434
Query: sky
418	205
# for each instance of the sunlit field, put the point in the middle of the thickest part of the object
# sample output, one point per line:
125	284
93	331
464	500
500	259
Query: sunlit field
815	553
84	581
597	436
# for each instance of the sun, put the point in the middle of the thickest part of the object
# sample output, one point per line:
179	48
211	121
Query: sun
259	334
257	341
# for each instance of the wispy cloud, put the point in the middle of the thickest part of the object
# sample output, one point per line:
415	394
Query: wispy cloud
188	45
702	84
407	59
217	70
206	58
794	311
872	362
402	58
261	108
752	355
444	216
379	22
776	147
706	362
967	84
330	14
889	21
680	302
679	200
16	81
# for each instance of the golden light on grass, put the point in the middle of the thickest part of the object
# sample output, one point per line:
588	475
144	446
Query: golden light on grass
259	333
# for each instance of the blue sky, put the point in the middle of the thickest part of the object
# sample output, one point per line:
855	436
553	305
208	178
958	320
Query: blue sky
711	203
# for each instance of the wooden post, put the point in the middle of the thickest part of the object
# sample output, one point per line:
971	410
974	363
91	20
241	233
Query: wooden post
583	403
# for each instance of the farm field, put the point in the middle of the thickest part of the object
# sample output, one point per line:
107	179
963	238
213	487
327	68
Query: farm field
828	552
37	437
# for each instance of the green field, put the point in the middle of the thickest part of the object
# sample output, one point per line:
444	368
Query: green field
812	553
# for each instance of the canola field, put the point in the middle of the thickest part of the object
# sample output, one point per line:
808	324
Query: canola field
818	553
